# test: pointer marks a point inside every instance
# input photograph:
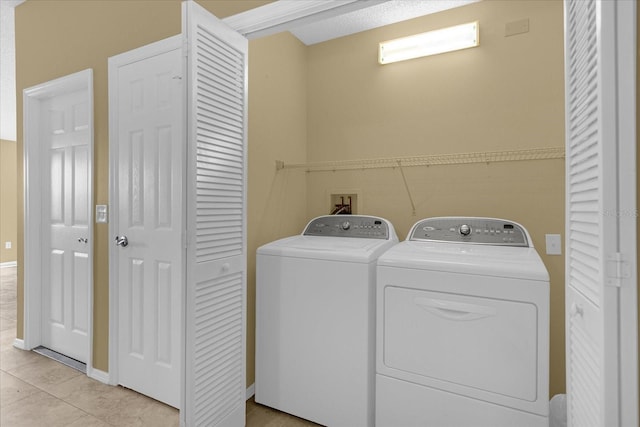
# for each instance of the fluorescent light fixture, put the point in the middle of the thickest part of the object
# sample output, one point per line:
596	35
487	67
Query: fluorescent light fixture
430	43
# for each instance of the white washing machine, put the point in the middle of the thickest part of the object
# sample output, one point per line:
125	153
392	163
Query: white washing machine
462	327
315	320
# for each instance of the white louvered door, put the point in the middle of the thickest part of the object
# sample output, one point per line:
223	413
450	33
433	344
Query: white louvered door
216	227
601	328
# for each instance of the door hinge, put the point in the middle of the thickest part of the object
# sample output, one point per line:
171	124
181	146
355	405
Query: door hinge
617	268
185	47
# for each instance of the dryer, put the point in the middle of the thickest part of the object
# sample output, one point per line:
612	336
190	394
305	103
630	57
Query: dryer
315	320
462	327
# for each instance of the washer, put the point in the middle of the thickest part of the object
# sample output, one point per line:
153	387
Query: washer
462	327
315	320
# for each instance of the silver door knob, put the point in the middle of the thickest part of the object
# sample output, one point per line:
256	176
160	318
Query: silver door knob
83	240
122	241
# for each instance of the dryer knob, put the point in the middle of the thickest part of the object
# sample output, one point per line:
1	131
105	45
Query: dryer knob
465	230
346	225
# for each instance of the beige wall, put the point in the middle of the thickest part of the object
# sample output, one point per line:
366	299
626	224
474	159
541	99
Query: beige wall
8	201
52	41
59	37
333	101
277	131
507	94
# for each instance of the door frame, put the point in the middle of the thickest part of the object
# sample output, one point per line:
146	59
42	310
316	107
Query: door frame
33	97
115	62
626	28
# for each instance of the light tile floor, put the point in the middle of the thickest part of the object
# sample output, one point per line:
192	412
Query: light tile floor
37	391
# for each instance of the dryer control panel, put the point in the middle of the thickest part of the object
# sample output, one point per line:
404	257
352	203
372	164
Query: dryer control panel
476	230
360	226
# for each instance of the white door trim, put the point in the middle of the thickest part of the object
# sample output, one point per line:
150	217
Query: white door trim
626	28
33	158
115	62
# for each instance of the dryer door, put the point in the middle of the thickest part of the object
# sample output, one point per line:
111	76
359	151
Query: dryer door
483	343
485	337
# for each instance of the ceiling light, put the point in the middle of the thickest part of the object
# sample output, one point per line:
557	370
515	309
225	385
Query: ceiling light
430	43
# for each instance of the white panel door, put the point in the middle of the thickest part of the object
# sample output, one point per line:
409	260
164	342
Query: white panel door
216	221
601	283
150	203
66	264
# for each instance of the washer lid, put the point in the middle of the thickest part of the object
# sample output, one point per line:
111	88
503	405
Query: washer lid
346	249
485	260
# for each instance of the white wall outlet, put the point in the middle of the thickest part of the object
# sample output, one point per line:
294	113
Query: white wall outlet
7	245
554	244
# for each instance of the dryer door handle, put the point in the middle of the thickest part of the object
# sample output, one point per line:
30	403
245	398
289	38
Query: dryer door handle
453	310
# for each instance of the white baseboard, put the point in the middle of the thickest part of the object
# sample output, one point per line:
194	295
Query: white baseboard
8	264
251	390
103	377
98	375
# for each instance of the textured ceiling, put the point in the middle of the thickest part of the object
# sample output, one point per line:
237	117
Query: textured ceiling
316	21
376	15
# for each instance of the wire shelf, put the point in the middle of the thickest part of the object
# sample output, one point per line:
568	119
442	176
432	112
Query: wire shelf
430	160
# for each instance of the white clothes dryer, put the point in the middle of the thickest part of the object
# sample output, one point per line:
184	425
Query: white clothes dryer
462	327
315	320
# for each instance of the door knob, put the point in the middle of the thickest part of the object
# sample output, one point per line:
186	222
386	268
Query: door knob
122	241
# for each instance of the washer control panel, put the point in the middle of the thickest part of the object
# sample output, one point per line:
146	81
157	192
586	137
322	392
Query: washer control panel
348	226
483	231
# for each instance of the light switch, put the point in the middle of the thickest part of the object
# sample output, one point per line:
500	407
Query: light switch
101	214
554	244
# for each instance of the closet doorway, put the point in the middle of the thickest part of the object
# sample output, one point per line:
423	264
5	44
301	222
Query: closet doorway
58	216
177	118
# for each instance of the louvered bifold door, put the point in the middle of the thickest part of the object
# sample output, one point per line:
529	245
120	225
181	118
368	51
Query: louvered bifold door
593	267
215	314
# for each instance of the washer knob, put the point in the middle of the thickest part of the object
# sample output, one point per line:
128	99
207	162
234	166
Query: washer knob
346	225
465	230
